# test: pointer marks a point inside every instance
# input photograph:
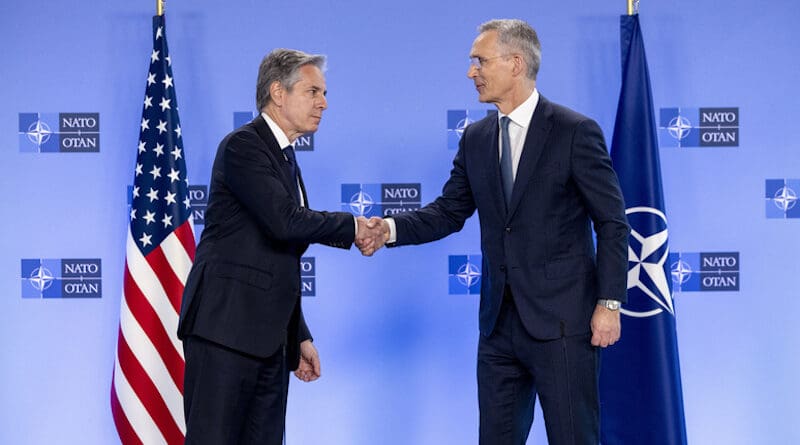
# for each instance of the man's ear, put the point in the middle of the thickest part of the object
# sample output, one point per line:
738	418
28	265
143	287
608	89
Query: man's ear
276	92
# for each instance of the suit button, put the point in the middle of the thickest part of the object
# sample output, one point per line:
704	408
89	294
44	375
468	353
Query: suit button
503	267
508	229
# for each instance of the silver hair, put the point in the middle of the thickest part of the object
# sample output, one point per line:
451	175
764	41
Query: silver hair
517	35
283	65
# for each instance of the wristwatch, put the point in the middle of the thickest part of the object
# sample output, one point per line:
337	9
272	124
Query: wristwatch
612	305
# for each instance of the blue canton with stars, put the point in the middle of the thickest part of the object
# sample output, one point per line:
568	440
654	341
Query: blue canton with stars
160	198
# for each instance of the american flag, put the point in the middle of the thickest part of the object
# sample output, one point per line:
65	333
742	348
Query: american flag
147	388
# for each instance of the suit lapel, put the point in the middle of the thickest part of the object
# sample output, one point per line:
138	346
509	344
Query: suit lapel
539	128
271	142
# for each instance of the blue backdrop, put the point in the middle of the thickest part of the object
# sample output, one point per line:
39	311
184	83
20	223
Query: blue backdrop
397	340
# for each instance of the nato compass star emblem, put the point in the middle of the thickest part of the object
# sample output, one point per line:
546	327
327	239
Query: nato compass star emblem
461	125
39	133
468	274
648	287
41	278
361	203
679	127
785	198
681	272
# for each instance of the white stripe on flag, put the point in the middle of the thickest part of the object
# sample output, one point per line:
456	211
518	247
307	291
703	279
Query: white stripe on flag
149	284
177	257
154	367
137	415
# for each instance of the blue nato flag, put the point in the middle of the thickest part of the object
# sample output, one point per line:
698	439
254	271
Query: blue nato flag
640	381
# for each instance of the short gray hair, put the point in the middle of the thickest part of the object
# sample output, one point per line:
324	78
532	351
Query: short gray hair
517	35
283	65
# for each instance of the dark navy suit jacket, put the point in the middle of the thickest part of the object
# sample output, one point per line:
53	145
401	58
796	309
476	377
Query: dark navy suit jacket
541	246
243	291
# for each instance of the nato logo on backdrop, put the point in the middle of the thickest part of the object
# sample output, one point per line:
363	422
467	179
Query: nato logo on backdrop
380	200
704	271
59	132
61	278
698	127
308	276
303	143
457	121
781	198
464	274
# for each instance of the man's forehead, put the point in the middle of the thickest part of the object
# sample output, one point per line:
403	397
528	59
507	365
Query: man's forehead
312	75
483	43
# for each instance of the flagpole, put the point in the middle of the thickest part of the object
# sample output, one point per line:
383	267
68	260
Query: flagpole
633	7
160	7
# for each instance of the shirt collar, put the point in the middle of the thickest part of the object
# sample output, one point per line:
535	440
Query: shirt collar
524	112
283	141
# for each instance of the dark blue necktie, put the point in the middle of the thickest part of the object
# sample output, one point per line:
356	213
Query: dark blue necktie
291	168
506	164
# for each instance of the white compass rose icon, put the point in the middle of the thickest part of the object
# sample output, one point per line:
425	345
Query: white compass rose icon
468	274
785	198
361	203
679	127
39	133
646	259
41	278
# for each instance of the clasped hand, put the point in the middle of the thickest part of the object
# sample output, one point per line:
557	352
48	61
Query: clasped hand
372	234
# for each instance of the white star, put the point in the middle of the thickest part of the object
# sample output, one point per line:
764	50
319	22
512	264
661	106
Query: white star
178	130
156	172
135	191
154	56
654	270
176	152
148	101
159	31
145	239
167	220
145	124
169	61
165	104
170	198
162	126
142	148
159	150
173	175
151	78
138	169
187	202
149	217
153	194
133	214
167	81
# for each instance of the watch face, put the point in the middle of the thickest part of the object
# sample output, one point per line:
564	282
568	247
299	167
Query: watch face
613	305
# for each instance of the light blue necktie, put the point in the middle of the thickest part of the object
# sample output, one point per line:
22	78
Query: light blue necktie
506	164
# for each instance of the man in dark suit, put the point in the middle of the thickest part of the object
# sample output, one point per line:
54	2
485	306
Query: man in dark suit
241	322
539	176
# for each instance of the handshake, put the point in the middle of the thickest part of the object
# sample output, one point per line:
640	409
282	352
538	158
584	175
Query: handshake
372	234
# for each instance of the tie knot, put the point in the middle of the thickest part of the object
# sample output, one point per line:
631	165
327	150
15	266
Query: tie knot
289	153
504	121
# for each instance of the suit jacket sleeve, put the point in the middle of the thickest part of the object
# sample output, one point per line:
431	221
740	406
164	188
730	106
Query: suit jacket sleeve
255	180
598	185
443	216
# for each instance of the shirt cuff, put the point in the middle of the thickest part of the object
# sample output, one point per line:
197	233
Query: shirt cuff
392	231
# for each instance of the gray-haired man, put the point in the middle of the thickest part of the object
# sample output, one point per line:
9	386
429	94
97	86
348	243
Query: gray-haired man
241	319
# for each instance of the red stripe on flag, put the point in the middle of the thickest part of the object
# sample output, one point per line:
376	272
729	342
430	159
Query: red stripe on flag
148	393
166	276
124	429
186	237
151	325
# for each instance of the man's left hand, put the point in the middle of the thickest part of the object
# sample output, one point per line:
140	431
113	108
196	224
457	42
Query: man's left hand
308	370
606	328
